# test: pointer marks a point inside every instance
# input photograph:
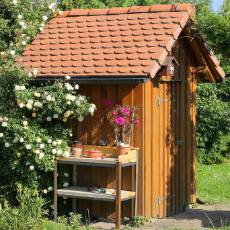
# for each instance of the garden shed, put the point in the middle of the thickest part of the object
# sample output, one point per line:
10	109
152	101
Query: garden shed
143	56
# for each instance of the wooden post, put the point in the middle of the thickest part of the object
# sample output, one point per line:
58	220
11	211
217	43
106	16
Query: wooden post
136	187
55	190
118	195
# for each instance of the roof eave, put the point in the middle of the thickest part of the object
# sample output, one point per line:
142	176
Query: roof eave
98	79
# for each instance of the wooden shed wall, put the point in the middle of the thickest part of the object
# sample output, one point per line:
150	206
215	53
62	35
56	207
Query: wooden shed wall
166	138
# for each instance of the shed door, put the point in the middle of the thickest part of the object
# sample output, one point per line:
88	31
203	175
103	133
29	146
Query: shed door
174	154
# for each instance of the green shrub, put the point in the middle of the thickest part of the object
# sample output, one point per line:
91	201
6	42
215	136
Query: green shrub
27	215
136	221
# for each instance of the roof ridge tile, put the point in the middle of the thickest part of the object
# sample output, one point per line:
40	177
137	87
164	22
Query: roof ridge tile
182	7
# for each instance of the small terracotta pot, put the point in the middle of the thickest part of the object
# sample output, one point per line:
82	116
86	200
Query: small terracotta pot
93	153
76	151
122	150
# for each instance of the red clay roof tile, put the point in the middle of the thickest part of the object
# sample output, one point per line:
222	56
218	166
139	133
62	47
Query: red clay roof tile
116	41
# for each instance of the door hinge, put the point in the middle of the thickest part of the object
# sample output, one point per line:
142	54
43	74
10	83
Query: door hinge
161	100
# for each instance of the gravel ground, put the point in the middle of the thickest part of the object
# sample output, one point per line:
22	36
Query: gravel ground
199	217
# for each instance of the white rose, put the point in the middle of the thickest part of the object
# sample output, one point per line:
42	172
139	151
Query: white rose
54	143
22	87
4	124
38	140
24	43
41	29
1	135
25	123
29	106
5	119
45	191
41	155
54	151
17	87
91	110
78	103
66	154
21	105
19	16
67	77
52	6
59	152
65	184
49	141
38	104
55	116
50	188
42	146
35	71
68	86
30	74
81	98
68	102
21	139
7	145
48	98
36	94
67	114
31	167
24	27
80	119
28	147
48	118
76	87
12	52
66	174
36	151
44	18
59	142
14	2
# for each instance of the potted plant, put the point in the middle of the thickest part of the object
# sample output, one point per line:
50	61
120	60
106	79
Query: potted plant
76	149
93	153
123	118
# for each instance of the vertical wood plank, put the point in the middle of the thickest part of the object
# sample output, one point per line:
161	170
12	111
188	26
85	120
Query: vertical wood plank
155	171
137	142
148	148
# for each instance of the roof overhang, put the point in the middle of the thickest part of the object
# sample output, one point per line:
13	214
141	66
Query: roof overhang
209	69
99	79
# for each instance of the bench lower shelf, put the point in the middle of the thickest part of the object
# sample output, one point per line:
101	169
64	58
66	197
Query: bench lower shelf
83	193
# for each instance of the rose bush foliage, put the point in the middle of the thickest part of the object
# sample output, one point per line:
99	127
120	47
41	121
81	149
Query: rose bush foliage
33	116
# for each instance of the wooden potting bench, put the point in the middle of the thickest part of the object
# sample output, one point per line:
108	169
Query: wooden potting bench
116	195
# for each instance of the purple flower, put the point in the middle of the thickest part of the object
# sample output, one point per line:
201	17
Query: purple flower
120	121
126	111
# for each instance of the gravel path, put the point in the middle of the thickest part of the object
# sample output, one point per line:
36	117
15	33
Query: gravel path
195	218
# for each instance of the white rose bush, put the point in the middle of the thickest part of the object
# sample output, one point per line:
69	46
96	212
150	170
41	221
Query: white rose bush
34	116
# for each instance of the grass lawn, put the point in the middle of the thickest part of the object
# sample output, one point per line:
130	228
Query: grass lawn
213	183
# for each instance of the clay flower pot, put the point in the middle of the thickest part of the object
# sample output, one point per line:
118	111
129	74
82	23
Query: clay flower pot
122	150
76	151
93	153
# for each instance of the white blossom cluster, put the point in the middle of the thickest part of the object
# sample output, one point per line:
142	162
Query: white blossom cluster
40	101
4	124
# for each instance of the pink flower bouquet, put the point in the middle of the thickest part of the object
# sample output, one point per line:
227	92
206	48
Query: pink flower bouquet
123	118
